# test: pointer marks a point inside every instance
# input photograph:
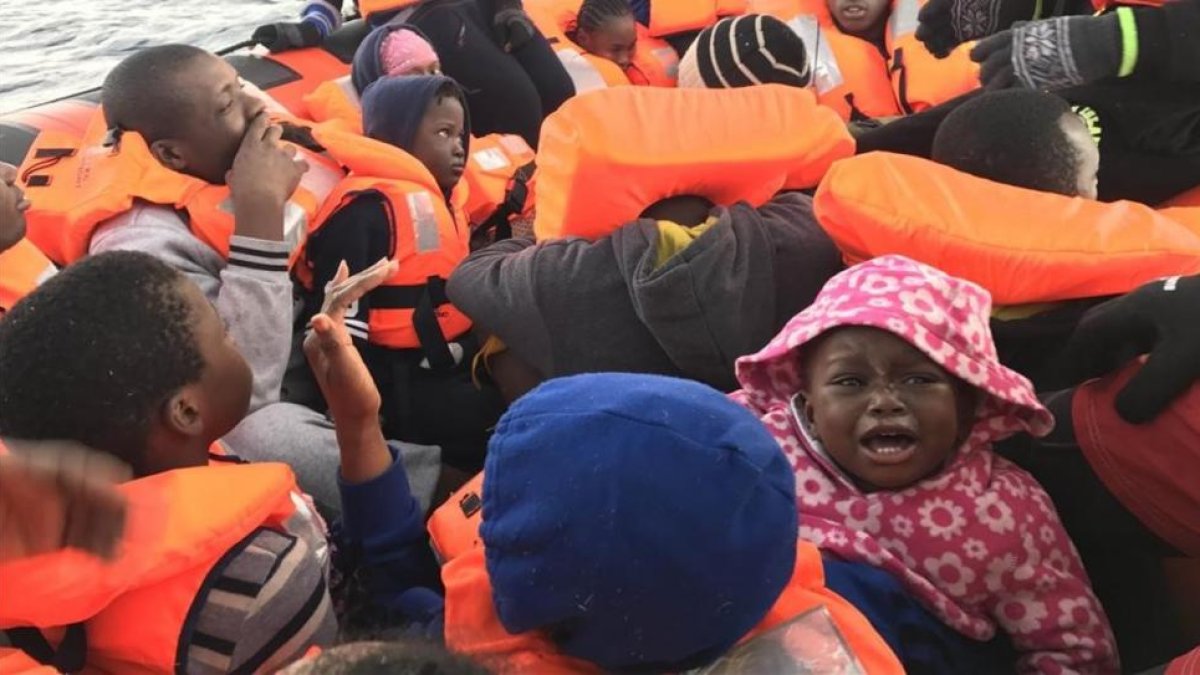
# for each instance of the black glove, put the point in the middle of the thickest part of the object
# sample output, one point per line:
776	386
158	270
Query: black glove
282	37
1056	53
512	28
945	24
1162	319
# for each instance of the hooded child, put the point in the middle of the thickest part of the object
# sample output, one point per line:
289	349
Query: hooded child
886	395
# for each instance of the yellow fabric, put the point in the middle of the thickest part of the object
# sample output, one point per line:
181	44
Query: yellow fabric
673	238
490	348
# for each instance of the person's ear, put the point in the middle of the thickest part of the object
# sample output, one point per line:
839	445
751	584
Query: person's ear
183	414
169	153
810	415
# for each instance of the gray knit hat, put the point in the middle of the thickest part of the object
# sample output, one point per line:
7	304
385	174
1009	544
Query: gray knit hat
744	51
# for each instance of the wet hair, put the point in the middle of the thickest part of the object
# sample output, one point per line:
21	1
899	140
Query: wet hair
392	658
92	353
593	13
143	94
1014	137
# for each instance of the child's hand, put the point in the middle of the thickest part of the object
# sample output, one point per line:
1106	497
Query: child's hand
265	173
58	495
338	367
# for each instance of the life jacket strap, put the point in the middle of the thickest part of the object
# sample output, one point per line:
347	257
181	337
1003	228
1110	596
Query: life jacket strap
71	655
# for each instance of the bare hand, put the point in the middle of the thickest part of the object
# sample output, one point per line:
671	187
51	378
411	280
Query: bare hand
58	494
265	173
13	205
338	367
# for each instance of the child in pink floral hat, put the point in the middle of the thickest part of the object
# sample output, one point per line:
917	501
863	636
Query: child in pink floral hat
886	395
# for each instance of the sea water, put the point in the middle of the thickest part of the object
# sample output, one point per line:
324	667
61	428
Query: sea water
54	48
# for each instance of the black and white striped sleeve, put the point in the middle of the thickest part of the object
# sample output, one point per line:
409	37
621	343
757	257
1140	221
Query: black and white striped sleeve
259	254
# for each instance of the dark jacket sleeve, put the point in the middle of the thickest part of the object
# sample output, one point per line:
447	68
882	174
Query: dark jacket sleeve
360	234
1169	42
805	256
384	524
497	288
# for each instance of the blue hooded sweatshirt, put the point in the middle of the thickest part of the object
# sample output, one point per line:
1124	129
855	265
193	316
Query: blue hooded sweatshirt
646	522
393	108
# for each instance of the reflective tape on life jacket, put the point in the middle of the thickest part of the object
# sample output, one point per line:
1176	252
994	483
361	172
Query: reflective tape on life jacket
499	178
473	628
606	156
22	269
498	172
410	309
920	79
135	610
655	62
1023	246
74	187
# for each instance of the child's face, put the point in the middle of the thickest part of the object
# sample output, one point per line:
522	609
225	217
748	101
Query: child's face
439	142
885	413
615	40
12	208
208	138
860	18
226	381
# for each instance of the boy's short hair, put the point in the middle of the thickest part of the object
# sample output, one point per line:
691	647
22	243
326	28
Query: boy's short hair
1013	137
91	354
141	93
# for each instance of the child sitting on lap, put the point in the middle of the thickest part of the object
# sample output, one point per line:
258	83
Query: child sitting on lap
886	394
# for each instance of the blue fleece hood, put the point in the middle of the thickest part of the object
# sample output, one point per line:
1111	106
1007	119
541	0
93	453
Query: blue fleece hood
393	107
644	522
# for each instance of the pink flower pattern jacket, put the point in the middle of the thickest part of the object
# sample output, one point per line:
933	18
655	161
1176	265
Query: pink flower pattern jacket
980	543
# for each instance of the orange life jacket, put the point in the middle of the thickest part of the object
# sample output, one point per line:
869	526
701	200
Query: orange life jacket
134	610
74	187
852	75
17	662
1023	246
607	156
472	627
920	79
370	7
668	17
655	62
22	268
1188	198
499	172
430	237
1105	5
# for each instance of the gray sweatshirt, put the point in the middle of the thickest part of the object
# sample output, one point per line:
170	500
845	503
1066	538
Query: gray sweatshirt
252	292
574	306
